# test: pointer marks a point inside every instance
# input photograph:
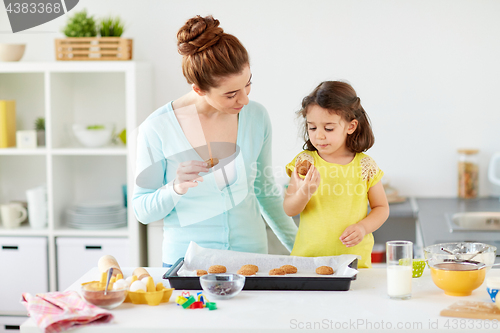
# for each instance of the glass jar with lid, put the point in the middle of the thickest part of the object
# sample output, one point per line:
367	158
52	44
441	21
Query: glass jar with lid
468	173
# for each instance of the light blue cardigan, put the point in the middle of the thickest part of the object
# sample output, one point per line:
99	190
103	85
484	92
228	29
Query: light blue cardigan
228	219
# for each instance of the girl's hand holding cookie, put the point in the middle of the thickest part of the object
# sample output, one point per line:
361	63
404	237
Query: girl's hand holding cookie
353	235
188	175
309	184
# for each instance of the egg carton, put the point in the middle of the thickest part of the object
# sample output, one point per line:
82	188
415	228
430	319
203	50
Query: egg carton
154	295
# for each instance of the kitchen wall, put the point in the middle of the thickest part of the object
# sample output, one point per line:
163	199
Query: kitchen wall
427	71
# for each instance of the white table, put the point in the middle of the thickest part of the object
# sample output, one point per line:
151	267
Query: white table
365	307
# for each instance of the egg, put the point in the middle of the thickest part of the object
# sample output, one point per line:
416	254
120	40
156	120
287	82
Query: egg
120	284
129	280
138	285
145	280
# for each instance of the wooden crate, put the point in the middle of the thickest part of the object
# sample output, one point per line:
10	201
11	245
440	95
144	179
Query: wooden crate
94	48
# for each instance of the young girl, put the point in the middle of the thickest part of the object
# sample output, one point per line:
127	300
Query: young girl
332	198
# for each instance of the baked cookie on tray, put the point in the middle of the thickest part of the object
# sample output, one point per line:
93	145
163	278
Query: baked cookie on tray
324	270
277	271
216	269
289	269
246	271
200	272
254	268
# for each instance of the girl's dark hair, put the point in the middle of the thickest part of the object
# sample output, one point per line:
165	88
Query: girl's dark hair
340	98
208	52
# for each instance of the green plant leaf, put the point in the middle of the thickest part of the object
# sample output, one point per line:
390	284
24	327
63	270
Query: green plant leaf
80	25
111	27
40	124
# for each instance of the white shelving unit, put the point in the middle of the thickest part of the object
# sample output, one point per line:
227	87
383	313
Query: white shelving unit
66	93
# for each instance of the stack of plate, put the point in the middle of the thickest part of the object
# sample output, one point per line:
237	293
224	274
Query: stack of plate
97	215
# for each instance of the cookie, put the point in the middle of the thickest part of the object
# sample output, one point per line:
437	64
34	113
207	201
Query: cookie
200	272
246	271
277	271
212	162
303	162
324	270
254	268
289	269
215	269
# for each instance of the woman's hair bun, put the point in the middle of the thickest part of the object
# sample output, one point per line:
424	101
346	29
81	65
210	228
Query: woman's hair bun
198	34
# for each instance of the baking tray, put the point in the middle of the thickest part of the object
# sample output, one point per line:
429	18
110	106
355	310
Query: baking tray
266	283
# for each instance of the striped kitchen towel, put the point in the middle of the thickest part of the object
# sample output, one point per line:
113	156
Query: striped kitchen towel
58	311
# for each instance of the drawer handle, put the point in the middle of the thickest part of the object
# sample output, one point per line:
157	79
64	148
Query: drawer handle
10	247
93	247
12	327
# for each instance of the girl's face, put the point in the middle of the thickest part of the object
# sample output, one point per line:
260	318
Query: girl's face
231	94
328	131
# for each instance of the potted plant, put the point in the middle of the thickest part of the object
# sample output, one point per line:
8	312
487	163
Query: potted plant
111	27
82	44
80	25
40	131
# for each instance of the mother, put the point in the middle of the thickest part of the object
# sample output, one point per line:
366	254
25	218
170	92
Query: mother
217	207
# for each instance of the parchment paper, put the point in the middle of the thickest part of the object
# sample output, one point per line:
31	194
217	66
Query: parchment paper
198	257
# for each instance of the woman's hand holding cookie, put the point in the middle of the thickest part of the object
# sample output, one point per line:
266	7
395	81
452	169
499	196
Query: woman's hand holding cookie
188	175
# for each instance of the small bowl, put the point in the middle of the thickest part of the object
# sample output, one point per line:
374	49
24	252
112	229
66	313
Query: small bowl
94	294
12	52
93	136
222	286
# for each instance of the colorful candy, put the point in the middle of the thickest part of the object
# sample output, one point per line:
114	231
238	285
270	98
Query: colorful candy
188	301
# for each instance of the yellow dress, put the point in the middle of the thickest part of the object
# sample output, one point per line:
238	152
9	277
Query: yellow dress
340	201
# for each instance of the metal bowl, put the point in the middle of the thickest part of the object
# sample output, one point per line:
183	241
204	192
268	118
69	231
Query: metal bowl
461	251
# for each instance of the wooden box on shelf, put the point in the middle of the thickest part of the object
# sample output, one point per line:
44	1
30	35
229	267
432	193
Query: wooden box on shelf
94	48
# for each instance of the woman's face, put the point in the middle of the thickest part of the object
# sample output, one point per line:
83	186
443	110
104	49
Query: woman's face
232	93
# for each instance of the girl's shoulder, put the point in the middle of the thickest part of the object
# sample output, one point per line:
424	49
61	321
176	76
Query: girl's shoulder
363	158
369	169
313	154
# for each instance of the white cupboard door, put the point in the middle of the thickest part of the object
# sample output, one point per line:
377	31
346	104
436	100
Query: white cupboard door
76	256
24	270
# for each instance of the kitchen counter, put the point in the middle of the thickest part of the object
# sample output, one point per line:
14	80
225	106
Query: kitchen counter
365	307
435	229
405	209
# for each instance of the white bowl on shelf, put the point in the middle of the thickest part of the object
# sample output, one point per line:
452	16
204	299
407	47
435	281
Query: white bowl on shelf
11	52
93	136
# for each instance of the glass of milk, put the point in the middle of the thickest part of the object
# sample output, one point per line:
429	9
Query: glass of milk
399	256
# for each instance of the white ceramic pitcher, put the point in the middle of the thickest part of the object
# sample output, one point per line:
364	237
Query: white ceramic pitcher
491	169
